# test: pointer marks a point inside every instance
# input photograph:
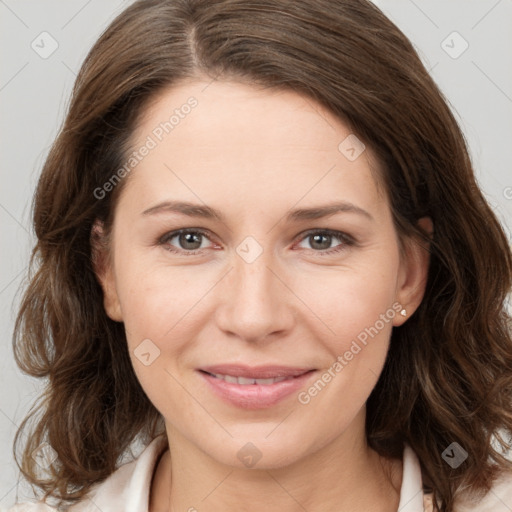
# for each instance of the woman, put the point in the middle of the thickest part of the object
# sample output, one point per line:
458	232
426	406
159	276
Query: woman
334	338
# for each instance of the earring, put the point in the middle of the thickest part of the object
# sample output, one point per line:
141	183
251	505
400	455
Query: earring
403	312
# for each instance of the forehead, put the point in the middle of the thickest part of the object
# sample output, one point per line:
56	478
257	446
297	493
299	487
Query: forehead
228	139
253	116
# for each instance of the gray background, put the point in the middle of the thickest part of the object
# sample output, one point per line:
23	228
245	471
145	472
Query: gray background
34	93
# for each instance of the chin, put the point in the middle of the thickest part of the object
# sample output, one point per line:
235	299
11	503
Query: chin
258	451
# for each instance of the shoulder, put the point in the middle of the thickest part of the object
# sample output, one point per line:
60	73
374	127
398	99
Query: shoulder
127	487
498	499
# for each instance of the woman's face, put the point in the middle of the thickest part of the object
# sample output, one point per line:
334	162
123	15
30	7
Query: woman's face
264	285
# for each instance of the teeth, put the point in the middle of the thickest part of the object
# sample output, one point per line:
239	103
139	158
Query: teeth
245	381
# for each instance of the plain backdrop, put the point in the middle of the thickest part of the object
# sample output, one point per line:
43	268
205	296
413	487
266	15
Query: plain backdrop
465	44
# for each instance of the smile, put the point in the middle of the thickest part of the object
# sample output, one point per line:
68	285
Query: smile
256	388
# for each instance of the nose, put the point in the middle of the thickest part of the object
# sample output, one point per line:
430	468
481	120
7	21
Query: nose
255	302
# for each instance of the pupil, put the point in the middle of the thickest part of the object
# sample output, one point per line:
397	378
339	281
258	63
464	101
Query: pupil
327	238
188	238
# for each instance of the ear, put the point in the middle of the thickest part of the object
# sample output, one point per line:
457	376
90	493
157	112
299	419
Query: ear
413	274
103	269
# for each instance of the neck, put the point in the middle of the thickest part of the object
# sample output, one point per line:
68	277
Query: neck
344	475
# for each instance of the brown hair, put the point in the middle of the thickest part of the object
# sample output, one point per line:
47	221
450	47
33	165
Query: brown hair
447	376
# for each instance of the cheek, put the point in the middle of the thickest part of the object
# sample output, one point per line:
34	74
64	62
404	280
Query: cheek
156	297
347	302
160	324
358	322
356	308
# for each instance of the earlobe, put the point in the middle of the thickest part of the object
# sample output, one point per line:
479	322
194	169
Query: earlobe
104	272
414	272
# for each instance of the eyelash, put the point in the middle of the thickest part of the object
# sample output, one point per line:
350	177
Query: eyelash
346	239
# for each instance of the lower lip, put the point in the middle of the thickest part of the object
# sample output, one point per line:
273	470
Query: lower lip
255	396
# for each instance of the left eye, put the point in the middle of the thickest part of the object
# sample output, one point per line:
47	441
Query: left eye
322	239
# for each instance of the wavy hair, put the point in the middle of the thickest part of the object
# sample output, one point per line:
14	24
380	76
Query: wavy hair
447	377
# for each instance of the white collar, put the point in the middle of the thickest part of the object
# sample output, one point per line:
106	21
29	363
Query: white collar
411	491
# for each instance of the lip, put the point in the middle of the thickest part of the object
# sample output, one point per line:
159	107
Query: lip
255	396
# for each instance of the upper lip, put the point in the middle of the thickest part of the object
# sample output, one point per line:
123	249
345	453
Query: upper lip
255	372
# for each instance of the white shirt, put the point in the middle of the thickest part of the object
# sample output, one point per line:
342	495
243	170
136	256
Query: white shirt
127	489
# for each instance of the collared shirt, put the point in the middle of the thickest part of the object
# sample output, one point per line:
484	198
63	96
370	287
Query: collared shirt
127	489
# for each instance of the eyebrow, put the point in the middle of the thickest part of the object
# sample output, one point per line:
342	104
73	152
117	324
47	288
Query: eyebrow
207	212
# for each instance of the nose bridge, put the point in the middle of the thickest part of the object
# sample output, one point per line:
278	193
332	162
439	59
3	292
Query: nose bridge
254	302
254	278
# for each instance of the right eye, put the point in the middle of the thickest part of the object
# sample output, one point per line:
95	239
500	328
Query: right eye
190	240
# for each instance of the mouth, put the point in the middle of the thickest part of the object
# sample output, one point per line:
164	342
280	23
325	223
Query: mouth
254	387
244	381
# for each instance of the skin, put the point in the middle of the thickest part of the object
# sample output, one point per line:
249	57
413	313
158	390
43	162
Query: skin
254	155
